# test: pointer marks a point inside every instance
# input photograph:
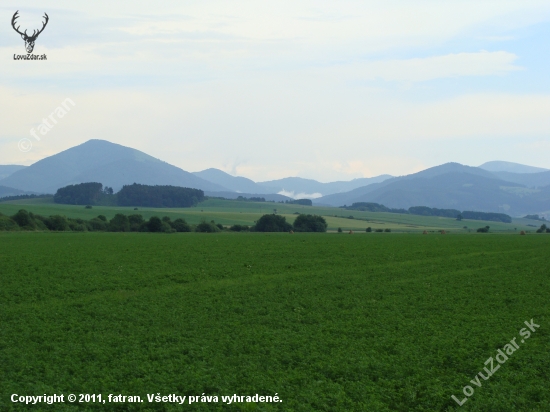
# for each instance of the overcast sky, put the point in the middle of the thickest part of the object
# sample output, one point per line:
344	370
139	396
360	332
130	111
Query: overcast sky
328	90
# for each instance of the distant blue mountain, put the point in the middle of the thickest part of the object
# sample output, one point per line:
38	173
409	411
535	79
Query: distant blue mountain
452	186
233	183
500	166
6	170
10	191
299	185
104	162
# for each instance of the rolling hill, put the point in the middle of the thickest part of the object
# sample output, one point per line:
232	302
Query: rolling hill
449	186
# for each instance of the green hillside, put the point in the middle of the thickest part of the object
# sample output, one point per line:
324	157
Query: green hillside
230	212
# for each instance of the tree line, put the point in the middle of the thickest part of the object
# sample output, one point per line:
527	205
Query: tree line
93	193
28	221
431	211
23	197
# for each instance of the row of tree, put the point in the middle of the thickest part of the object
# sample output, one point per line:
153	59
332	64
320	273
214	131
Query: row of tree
372	207
303	202
130	195
28	221
23	197
432	211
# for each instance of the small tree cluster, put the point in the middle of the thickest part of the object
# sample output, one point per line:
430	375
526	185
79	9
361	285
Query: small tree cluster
303	223
272	223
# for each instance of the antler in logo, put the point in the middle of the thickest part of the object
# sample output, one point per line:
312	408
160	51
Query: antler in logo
29	40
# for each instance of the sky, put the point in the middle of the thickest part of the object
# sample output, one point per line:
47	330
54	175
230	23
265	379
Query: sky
326	90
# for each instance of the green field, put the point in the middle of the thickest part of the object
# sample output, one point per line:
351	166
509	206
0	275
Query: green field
229	212
329	322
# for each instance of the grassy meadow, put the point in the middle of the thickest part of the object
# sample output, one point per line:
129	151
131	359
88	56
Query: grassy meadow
229	212
329	322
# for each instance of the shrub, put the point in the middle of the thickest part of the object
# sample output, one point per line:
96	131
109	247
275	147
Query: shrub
379	230
136	222
181	225
24	220
155	224
57	223
339	230
96	224
101	217
272	223
206	227
88	207
310	223
369	229
119	223
77	225
39	221
239	228
483	229
387	230
8	224
220	226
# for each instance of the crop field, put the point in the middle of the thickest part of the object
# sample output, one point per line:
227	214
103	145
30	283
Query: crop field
229	212
328	322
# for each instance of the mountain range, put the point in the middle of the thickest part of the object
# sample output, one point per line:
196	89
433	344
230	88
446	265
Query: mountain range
450	186
494	186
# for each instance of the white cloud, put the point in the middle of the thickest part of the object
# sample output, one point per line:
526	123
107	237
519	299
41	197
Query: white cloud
281	84
300	195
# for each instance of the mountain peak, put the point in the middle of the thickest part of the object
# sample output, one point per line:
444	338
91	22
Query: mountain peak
102	161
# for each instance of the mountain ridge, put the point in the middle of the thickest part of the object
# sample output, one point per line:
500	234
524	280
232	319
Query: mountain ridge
450	185
511	167
101	161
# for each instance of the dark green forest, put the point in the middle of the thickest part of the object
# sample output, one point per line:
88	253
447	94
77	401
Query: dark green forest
130	195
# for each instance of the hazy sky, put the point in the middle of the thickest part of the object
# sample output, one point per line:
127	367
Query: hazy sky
327	90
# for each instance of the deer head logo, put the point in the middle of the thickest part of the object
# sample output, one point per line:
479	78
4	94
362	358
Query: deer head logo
29	40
